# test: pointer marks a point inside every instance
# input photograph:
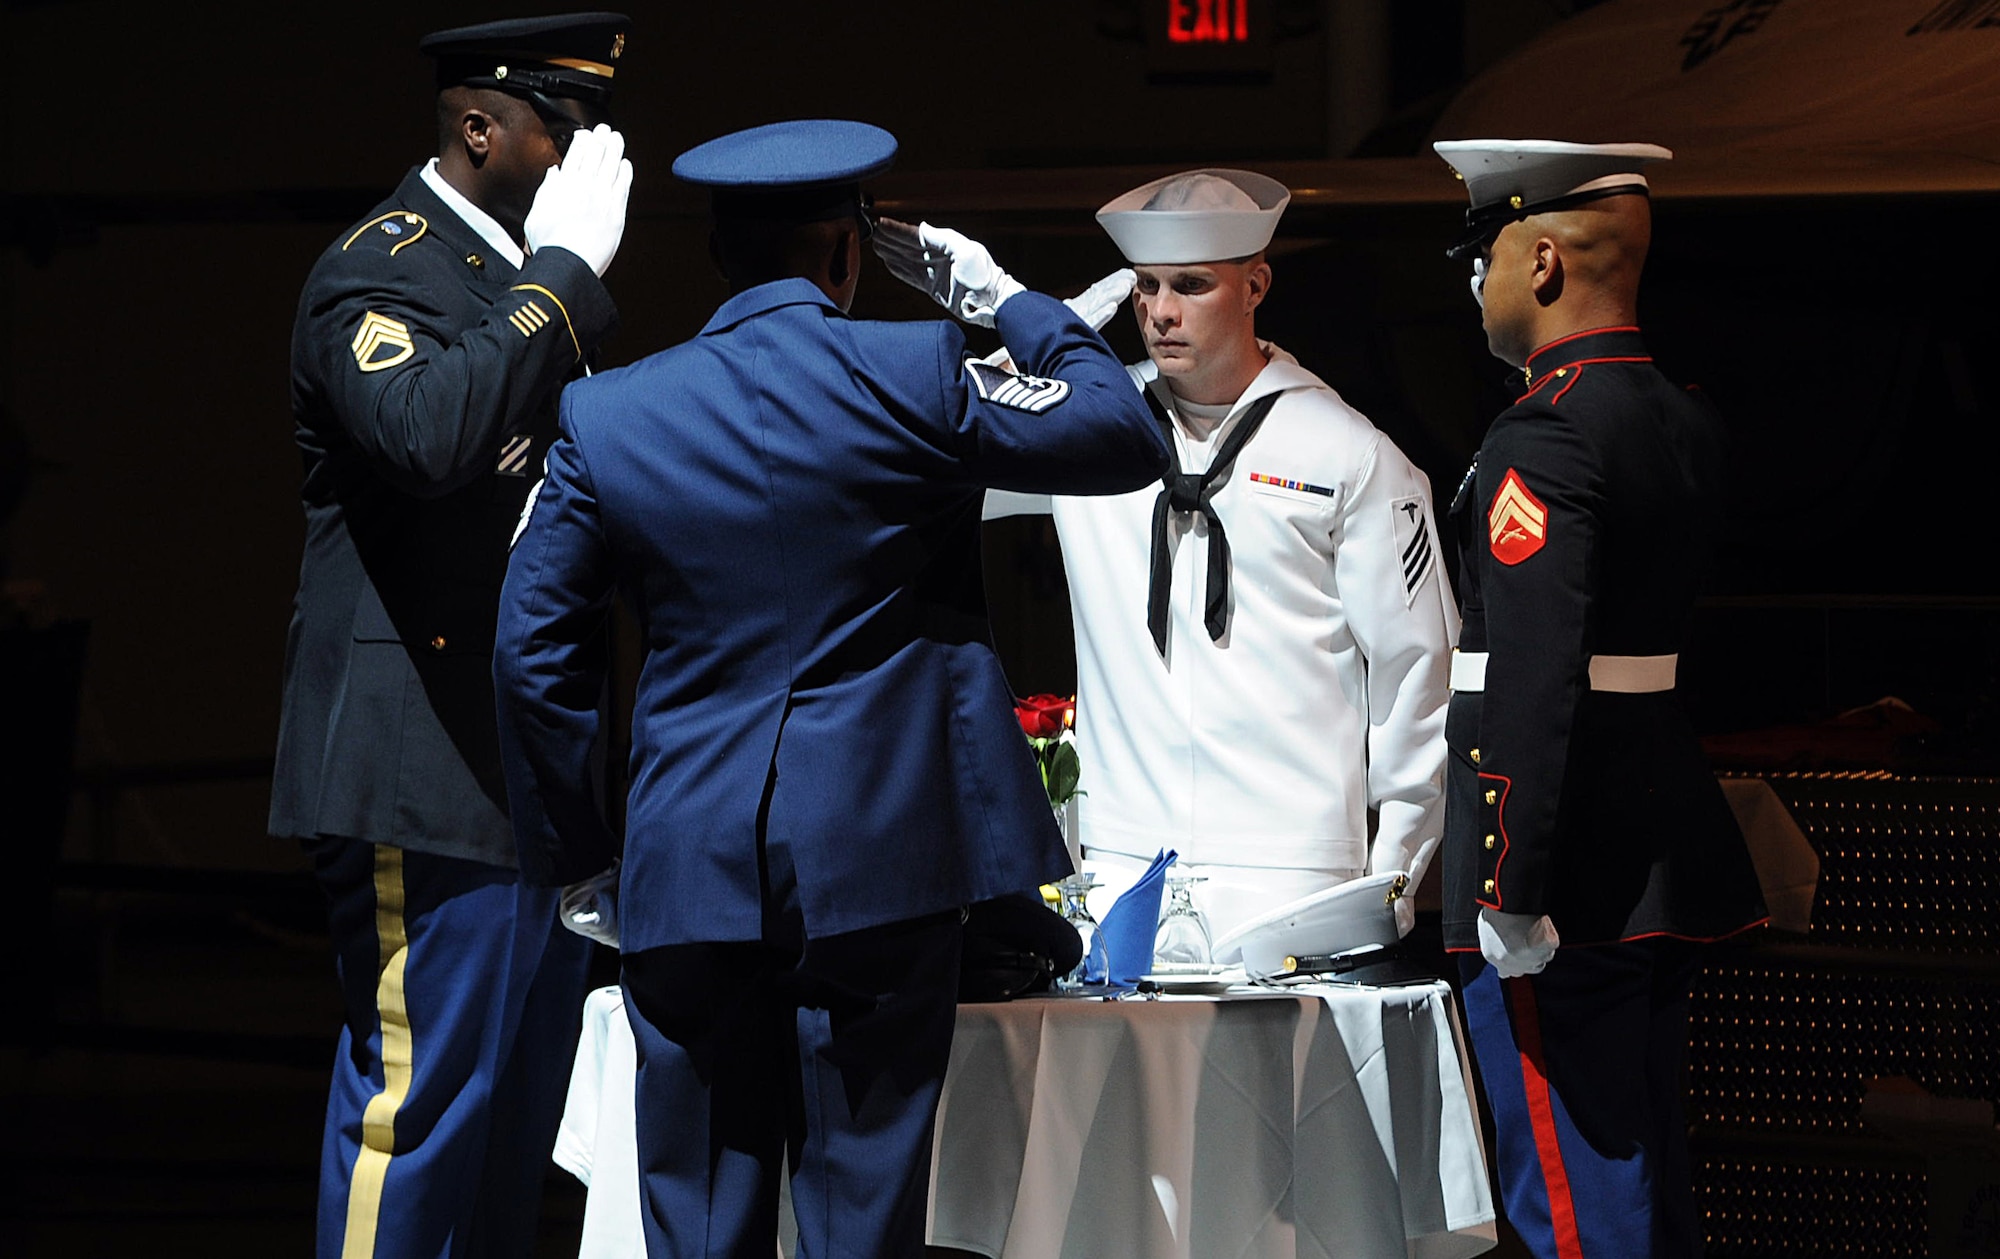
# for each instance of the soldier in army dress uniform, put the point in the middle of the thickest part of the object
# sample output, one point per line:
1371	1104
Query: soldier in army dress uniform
431	342
1588	848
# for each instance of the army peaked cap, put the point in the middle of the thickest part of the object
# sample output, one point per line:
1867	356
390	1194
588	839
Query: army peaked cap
572	54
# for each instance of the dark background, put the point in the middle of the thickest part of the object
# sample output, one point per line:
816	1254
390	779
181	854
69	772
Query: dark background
173	170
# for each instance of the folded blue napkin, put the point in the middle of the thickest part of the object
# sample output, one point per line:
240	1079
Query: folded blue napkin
1132	922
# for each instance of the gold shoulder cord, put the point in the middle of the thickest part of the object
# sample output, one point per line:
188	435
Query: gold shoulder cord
560	307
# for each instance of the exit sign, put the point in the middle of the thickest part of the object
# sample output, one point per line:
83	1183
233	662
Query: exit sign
1213	40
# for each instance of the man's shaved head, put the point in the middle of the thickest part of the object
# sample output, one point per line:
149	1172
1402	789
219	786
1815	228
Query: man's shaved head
1603	242
1552	274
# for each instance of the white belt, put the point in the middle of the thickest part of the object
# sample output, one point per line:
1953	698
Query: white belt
1632	675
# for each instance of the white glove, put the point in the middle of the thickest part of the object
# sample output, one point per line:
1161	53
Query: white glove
1098	303
1517	944
954	269
581	203
590	908
1406	904
1479	282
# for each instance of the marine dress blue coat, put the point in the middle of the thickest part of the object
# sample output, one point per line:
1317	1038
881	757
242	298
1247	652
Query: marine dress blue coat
790	501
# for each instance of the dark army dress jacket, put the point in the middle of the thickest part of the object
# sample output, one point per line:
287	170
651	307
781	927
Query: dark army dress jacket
1583	527
425	372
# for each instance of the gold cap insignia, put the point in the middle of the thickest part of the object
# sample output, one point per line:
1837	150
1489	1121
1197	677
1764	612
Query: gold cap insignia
379	333
618	45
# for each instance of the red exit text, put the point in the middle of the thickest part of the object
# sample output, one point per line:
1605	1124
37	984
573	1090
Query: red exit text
1208	21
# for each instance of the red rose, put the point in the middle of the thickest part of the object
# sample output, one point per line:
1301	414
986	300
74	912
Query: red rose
1044	716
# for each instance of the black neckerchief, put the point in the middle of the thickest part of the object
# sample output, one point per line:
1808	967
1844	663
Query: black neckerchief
1186	493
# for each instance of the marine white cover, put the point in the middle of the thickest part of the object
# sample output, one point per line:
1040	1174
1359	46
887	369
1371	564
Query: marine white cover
1340	919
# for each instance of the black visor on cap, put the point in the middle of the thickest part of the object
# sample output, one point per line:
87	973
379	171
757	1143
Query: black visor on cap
574	55
1483	223
779	206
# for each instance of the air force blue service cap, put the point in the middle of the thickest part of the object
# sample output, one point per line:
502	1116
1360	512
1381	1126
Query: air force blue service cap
1508	180
1196	216
805	171
572	54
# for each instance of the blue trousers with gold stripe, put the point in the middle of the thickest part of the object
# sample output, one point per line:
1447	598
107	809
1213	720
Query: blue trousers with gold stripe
1583	1069
463	1000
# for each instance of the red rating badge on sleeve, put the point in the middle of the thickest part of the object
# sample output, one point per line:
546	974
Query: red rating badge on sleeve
1518	522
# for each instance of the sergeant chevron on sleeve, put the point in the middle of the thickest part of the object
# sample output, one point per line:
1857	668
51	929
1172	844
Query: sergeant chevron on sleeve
430	343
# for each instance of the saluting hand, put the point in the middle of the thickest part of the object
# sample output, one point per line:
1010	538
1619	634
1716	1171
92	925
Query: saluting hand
958	272
581	203
1098	303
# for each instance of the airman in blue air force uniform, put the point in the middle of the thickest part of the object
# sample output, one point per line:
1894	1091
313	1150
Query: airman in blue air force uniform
826	762
1588	848
427	356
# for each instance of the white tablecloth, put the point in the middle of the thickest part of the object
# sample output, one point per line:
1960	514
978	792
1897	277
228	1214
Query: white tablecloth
1325	1121
1319	1122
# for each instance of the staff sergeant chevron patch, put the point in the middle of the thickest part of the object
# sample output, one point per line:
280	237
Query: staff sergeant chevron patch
381	342
1023	393
1518	523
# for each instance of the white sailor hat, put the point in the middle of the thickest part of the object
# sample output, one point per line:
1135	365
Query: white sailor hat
1195	216
1311	931
1509	180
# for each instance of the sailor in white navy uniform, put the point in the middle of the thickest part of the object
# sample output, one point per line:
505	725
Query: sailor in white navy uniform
1587	844
1262	641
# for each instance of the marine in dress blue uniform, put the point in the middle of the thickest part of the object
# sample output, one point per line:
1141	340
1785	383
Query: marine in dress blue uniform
1588	848
426	360
826	763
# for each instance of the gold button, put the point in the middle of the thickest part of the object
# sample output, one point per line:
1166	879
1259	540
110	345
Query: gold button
411	219
1489	887
1492	797
499	72
1514	201
1489	843
1475	756
1561	372
437	644
475	260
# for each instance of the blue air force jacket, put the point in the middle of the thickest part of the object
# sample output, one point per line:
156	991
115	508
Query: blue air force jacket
791	503
424	379
1583	529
